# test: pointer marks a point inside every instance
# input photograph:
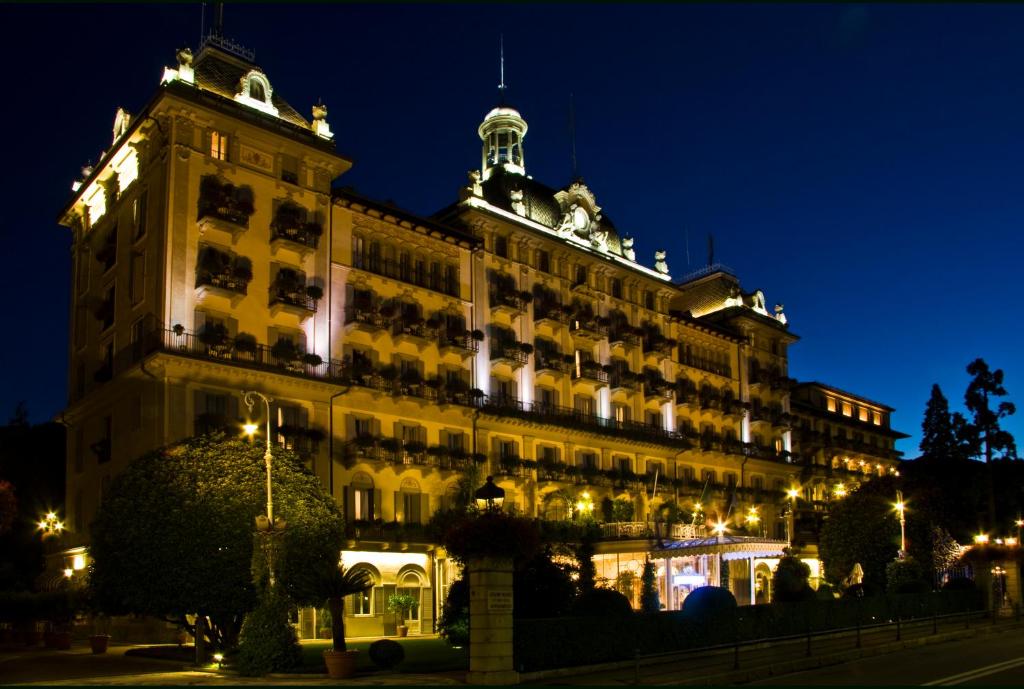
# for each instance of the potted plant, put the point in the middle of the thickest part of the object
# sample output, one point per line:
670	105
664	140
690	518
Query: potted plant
99	639
245	342
401	604
314	292
477	335
336	584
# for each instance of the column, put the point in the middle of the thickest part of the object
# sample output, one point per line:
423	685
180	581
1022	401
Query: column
490	622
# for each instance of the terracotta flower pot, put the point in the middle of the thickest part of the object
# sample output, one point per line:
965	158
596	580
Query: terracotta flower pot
403	630
98	643
340	664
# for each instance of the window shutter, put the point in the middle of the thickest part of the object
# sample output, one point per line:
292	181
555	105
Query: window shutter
397	430
199	401
303	417
442	439
398	516
232	326
424	507
378	600
200	320
350	427
350	507
376	512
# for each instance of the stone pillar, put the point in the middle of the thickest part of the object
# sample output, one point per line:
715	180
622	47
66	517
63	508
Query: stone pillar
490	622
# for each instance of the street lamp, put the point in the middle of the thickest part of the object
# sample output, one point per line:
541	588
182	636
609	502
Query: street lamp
50	525
489	496
585	505
1019	523
839	491
265	524
901	508
753	518
719	528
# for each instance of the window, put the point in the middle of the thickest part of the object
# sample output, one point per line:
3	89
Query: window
654	418
847	409
411	508
584	405
581	275
548	454
588	460
139	215
501	246
137	278
757	483
830	403
655	468
621	412
730	480
862	414
616	288
543	261
256	90
625	465
547	397
103	446
778	445
108	254
876	418
689	476
290	169
707	475
358	250
456	441
649	299
362	603
218	145
411	585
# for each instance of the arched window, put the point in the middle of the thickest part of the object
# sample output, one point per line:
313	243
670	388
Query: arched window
556	508
362	603
256	90
410	583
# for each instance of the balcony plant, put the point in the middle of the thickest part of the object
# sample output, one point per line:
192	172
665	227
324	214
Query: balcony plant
242	269
391	444
312	359
526	348
213	335
285	351
477	335
245	342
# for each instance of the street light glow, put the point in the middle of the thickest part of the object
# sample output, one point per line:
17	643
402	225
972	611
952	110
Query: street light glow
981	538
720	528
250	429
839	491
792	493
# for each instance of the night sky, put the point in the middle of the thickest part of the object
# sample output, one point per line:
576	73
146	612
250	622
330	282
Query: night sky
860	164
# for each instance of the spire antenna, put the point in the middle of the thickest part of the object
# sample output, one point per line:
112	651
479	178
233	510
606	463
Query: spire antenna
501	53
572	135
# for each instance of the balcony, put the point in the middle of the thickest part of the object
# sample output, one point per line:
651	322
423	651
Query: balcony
623	336
553	362
416	331
226	283
590	332
290	300
623	379
460	341
733	408
590	372
706	365
511	353
223	207
511	302
510	466
657	388
576	419
447	283
627	530
549	314
367	320
301	238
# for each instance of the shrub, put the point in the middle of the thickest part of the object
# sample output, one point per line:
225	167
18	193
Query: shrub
267	642
454	623
386	653
649	589
825	592
905	576
602	603
709	602
789	581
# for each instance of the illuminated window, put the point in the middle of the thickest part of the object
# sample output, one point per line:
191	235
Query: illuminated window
256	90
621	412
219	145
876	418
847	409
830	403
778	445
362	603
862	414
139	215
411	585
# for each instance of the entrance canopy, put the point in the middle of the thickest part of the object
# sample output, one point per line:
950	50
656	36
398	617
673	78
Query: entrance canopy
729	547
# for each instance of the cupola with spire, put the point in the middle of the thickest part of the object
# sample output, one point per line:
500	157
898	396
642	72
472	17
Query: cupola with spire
502	133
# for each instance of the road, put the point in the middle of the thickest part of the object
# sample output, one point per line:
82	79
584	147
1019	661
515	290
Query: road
989	660
41	665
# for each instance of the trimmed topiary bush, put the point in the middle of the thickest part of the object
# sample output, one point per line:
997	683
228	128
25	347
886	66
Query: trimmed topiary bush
602	603
709	602
905	576
267	642
386	653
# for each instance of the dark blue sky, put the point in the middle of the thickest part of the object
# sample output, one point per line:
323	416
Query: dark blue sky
861	164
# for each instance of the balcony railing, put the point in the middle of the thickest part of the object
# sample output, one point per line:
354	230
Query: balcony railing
510	353
507	300
420	330
552	312
407	273
592	373
581	420
298	300
462	340
552	361
227	281
624	380
301	235
706	365
367	318
589	330
625	336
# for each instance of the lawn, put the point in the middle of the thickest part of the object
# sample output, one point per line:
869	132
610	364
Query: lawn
421	655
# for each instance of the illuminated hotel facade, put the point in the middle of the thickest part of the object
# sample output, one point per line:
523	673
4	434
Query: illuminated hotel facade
514	331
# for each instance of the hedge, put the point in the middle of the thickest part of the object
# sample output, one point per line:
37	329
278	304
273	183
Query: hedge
570	641
17	607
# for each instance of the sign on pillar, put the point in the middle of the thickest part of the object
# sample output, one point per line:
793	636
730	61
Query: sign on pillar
490	622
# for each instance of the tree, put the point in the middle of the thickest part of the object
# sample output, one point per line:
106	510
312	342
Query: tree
174	534
937	437
789	581
992	439
648	589
985	385
862	528
8	506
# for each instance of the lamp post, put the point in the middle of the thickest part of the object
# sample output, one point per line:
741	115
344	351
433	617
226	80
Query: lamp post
792	493
264	524
901	508
1019	523
489	496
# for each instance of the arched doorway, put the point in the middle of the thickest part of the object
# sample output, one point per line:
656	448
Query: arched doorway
762	584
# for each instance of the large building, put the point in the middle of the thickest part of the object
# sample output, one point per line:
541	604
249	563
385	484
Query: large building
515	330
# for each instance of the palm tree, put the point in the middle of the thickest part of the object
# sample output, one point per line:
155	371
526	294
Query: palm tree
337	584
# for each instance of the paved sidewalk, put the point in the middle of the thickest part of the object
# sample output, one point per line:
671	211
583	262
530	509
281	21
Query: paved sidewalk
193	677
